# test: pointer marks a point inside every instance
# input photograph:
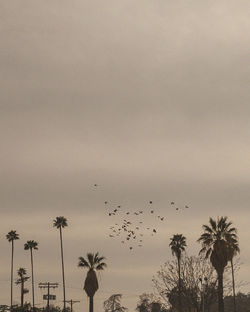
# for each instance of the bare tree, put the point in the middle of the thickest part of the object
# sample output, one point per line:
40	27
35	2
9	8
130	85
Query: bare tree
166	283
113	304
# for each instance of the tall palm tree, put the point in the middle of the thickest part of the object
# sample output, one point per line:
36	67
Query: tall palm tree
30	245
233	250
21	280
11	237
177	245
60	223
93	263
215	241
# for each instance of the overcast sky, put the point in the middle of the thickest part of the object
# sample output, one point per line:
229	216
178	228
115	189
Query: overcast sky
148	99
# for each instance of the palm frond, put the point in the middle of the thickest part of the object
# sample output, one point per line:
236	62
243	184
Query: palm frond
90	257
101	266
83	263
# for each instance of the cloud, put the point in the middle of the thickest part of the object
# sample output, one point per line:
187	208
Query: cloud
149	99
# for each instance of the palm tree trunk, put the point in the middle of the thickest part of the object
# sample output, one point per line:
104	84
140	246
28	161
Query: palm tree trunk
64	296
220	291
91	304
11	275
22	292
32	277
232	267
179	285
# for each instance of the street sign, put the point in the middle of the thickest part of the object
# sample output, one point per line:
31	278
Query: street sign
51	297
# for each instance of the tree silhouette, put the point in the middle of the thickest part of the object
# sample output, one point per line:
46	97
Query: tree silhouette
192	269
21	280
11	237
177	245
113	304
233	250
215	241
60	223
30	245
93	263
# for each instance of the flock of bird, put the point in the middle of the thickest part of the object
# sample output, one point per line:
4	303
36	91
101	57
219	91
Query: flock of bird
132	226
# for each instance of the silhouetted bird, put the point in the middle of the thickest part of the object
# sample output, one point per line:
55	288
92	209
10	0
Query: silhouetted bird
150	202
172	203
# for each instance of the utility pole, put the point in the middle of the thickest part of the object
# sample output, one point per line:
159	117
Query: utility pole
71	302
47	286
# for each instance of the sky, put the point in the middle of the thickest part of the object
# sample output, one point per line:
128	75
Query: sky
149	100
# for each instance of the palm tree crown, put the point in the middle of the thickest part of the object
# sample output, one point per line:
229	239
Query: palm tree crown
217	233
12	235
21	273
233	248
177	245
31	244
60	222
93	262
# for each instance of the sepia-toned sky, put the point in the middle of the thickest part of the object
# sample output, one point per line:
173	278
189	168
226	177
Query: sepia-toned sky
147	98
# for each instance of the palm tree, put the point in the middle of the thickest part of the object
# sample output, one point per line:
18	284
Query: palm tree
93	263
233	250
30	245
177	245
59	223
215	240
21	280
11	237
